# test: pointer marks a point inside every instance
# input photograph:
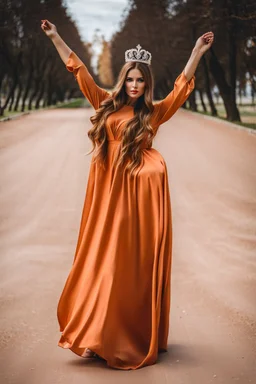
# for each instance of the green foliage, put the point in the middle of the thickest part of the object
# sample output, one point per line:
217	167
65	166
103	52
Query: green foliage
77	103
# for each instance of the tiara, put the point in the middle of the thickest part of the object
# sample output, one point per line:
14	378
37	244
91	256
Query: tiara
138	54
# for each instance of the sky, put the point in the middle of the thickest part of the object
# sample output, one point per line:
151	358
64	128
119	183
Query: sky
96	14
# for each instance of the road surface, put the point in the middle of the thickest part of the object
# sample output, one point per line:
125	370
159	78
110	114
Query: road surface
212	176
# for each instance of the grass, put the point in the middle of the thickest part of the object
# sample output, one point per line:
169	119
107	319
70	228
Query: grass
73	103
247	114
247	111
241	123
77	103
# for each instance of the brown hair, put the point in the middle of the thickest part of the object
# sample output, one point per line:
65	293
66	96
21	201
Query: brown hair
137	129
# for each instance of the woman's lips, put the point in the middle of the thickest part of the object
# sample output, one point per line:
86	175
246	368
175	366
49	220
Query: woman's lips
134	92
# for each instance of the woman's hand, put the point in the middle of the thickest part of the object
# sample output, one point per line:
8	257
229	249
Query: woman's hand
204	42
49	29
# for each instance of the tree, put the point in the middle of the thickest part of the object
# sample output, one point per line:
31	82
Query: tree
104	65
31	72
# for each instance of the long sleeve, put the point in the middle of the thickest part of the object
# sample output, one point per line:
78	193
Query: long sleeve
90	89
166	108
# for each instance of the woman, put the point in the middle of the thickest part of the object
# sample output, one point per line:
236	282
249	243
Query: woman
116	301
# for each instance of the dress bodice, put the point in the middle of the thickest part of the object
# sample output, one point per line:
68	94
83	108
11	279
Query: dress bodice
162	112
117	121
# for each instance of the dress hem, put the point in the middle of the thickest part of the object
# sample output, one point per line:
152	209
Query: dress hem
65	344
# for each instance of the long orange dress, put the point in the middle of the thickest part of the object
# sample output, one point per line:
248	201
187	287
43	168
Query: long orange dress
116	300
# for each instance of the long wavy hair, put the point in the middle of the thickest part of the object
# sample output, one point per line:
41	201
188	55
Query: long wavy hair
137	131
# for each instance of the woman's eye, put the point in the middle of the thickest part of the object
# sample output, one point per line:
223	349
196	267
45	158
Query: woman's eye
141	80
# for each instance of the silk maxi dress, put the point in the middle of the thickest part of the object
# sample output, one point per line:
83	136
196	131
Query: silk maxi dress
116	300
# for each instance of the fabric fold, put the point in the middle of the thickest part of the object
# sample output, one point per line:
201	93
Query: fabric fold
116	299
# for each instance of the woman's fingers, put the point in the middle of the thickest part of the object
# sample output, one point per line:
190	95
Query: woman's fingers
208	37
46	24
43	25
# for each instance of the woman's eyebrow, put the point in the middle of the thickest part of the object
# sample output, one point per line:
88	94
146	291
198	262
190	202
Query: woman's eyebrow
140	77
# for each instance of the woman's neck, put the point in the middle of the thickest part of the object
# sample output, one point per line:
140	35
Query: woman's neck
131	102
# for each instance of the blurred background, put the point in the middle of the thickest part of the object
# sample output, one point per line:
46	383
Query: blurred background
32	75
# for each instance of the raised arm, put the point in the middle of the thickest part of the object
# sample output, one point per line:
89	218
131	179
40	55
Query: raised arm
51	31
90	89
184	84
203	43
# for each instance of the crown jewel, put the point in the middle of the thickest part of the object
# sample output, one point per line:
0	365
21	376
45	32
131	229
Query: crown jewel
138	54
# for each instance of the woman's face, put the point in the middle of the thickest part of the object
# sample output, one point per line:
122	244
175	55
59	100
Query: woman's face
134	85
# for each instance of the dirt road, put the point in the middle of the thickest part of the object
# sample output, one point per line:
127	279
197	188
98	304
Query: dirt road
212	178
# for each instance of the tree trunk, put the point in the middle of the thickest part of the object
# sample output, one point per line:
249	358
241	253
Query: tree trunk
252	90
1	108
25	94
164	88
234	112
28	85
41	92
202	100
10	95
49	91
11	101
16	106
71	93
14	66
192	102
36	90
208	87
42	75
60	94
225	89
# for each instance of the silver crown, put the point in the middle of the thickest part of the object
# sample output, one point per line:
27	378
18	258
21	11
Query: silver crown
138	54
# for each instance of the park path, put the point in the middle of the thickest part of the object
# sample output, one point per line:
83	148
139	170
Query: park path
212	177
